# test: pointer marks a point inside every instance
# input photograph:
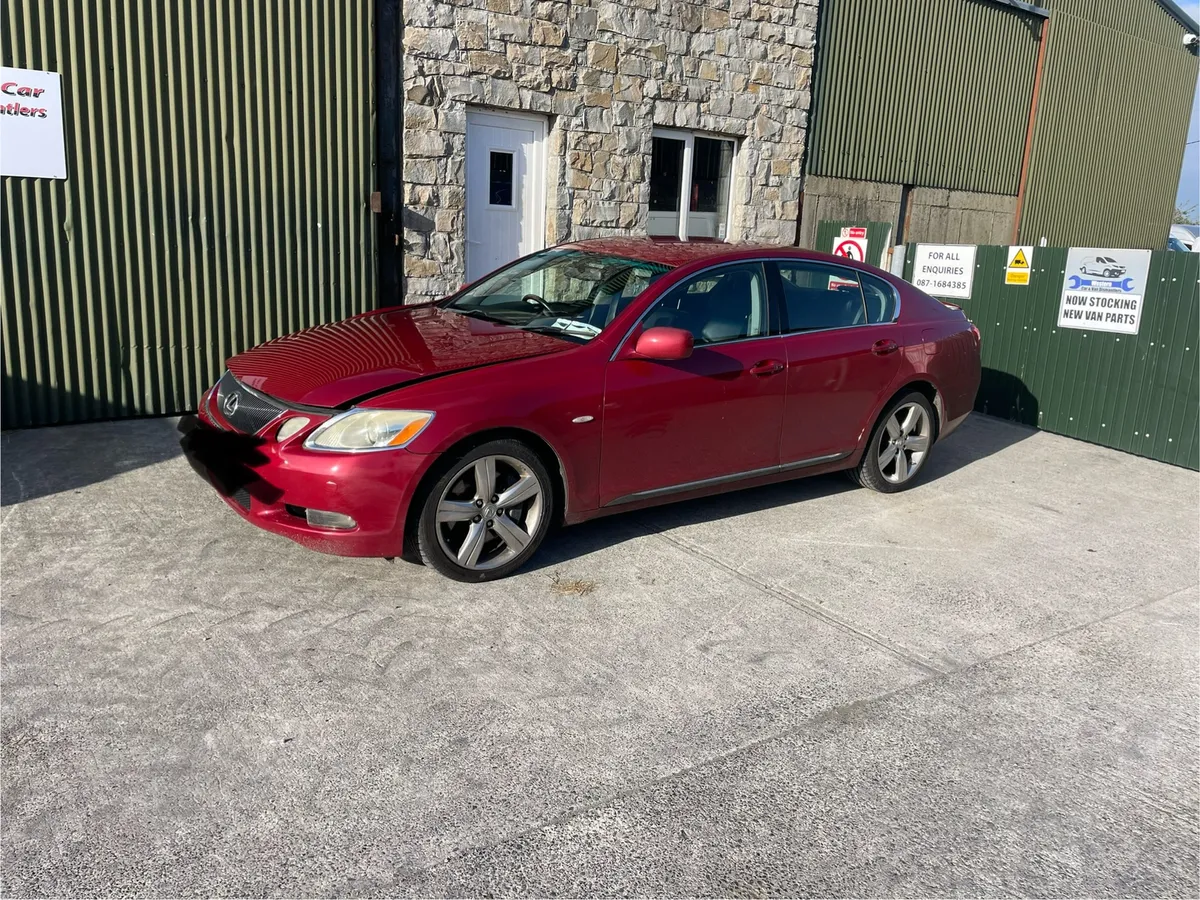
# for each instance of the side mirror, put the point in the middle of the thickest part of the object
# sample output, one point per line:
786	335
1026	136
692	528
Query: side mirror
664	343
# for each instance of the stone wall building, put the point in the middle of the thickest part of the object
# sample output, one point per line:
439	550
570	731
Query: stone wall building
594	118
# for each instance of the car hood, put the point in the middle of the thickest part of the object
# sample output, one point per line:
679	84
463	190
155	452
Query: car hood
335	365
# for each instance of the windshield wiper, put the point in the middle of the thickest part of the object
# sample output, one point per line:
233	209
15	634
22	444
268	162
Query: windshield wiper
556	331
478	314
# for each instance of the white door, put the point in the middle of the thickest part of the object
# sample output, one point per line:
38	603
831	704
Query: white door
506	198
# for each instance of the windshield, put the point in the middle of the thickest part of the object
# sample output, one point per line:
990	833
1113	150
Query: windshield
571	293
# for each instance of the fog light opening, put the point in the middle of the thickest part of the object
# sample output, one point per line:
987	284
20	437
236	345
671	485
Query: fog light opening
320	518
290	427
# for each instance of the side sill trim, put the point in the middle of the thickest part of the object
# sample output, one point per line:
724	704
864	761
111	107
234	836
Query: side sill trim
725	479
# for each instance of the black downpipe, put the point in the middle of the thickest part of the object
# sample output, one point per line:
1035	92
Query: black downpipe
389	85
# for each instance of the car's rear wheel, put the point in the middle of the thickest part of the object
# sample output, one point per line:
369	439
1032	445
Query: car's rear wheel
899	445
487	514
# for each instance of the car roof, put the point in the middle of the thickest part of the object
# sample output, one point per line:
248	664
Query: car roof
674	252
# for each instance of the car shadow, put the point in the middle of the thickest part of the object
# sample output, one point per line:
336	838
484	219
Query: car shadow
978	438
1005	396
47	460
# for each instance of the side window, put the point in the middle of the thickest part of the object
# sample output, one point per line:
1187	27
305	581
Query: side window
881	299
817	296
724	304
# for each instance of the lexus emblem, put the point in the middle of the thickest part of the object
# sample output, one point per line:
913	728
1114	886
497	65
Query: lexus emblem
230	404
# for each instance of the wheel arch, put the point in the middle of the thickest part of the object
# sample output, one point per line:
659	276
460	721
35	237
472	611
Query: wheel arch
538	444
921	385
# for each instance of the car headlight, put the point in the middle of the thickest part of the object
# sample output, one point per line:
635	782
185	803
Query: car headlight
369	429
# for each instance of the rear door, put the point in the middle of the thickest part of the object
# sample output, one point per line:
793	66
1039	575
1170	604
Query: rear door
715	415
843	352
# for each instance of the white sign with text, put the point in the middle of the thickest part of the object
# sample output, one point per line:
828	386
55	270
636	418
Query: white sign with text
31	124
944	270
1103	290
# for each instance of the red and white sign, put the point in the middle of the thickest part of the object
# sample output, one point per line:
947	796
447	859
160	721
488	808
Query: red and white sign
31	124
852	244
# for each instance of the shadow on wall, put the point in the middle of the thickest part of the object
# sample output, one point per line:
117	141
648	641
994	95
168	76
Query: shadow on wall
1006	396
40	462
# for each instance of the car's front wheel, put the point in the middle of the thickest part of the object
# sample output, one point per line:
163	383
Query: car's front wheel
899	445
487	514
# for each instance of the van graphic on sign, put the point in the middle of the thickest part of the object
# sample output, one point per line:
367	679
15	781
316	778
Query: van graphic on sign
1104	266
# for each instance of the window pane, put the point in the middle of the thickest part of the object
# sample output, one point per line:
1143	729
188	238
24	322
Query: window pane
817	296
712	163
880	298
500	179
725	305
666	175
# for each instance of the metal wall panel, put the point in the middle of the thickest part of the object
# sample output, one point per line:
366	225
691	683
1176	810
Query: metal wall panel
1139	393
220	161
1111	125
928	92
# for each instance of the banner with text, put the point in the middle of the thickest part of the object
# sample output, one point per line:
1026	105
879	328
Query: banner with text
1103	290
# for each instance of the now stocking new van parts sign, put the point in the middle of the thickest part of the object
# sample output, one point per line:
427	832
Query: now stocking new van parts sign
1103	290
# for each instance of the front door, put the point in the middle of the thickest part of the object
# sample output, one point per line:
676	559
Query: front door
715	415
505	189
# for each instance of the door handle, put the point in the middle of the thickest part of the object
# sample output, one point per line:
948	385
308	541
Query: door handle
766	367
884	347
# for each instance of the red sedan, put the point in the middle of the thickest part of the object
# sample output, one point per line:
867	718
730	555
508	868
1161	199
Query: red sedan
587	379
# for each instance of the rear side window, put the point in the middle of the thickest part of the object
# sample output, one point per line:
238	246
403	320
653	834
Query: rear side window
817	296
881	298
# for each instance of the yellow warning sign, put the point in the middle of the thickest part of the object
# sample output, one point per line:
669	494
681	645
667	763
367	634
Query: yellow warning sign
1018	267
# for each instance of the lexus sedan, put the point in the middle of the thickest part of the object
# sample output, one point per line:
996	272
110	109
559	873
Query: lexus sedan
583	380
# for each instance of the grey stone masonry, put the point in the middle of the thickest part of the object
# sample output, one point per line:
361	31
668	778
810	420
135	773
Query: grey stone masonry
604	74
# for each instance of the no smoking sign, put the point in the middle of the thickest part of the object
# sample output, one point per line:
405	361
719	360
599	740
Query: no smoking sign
851	244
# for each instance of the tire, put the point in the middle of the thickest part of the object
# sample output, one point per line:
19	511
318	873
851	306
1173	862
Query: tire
468	534
880	467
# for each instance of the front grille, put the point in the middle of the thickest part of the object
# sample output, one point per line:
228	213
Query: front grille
242	497
246	410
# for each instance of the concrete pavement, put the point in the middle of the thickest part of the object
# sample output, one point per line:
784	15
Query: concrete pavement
987	685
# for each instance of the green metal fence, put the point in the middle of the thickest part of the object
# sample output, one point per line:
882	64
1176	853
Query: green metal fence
1138	393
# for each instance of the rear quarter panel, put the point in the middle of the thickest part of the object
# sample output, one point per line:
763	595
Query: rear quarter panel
944	350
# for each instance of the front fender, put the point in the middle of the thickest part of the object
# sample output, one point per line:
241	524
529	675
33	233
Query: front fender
556	400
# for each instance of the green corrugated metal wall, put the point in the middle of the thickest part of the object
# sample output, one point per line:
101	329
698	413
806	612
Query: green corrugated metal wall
937	93
1139	393
928	92
1111	125
220	162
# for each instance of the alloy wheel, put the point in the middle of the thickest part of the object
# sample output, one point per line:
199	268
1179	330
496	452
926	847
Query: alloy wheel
904	443
489	512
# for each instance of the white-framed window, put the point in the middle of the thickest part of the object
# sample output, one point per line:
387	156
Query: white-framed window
691	174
